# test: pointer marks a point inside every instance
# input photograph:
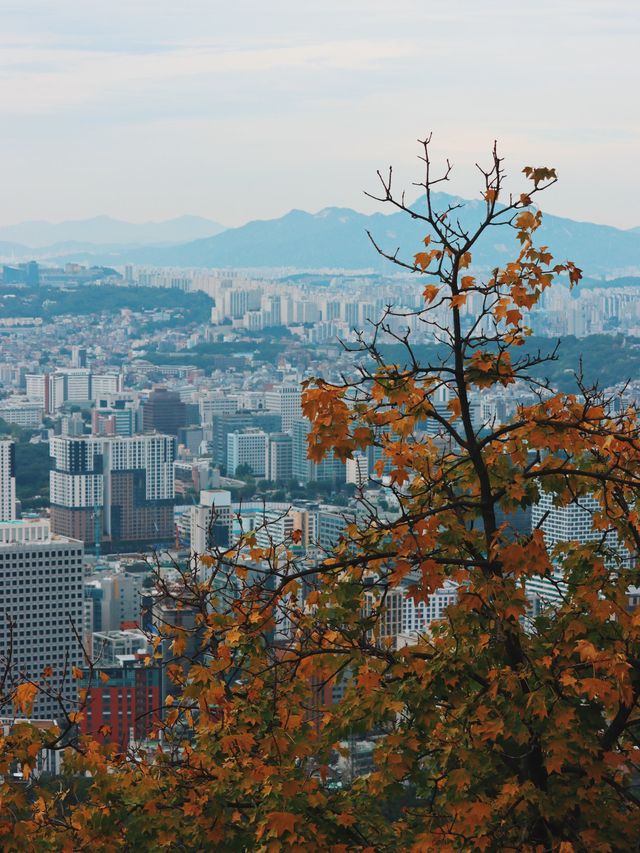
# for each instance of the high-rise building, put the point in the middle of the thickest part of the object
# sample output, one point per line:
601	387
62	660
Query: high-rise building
114	416
118	598
329	524
121	487
279	457
48	389
7	481
217	404
78	356
304	470
41	610
211	521
285	400
247	449
221	426
103	384
77	385
357	469
564	524
164	412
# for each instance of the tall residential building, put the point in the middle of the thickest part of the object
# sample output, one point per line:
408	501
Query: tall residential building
41	603
7	481
247	448
571	523
121	487
286	400
76	487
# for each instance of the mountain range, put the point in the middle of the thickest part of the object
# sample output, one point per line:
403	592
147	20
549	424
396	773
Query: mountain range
334	238
104	231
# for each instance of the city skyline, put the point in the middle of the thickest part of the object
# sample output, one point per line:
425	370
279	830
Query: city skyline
235	114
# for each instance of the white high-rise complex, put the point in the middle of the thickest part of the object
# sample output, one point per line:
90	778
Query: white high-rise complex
41	611
572	523
7	481
285	399
247	448
121	487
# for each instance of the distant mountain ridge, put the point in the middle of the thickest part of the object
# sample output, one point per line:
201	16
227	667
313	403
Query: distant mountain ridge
333	238
105	230
337	238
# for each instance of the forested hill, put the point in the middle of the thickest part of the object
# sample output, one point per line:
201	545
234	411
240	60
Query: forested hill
47	302
605	359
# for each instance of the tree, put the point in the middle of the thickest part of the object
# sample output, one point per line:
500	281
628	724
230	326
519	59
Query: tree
500	727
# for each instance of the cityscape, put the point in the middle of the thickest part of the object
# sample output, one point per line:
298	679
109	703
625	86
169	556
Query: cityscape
160	434
319	483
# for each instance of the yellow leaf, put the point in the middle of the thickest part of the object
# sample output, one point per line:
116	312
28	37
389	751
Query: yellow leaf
430	292
24	696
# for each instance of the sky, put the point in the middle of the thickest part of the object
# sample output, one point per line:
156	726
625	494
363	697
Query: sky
149	109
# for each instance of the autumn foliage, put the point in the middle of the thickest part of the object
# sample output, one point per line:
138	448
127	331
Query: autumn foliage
503	726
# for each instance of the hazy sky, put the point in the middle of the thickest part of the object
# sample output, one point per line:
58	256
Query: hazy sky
243	109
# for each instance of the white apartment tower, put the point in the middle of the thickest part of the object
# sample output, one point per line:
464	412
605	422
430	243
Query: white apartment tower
7	481
41	603
560	524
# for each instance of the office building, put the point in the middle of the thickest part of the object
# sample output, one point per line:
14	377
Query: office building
279	457
247	449
286	401
103	384
123	706
211	521
77	385
304	470
357	470
22	413
7	481
41	599
164	412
